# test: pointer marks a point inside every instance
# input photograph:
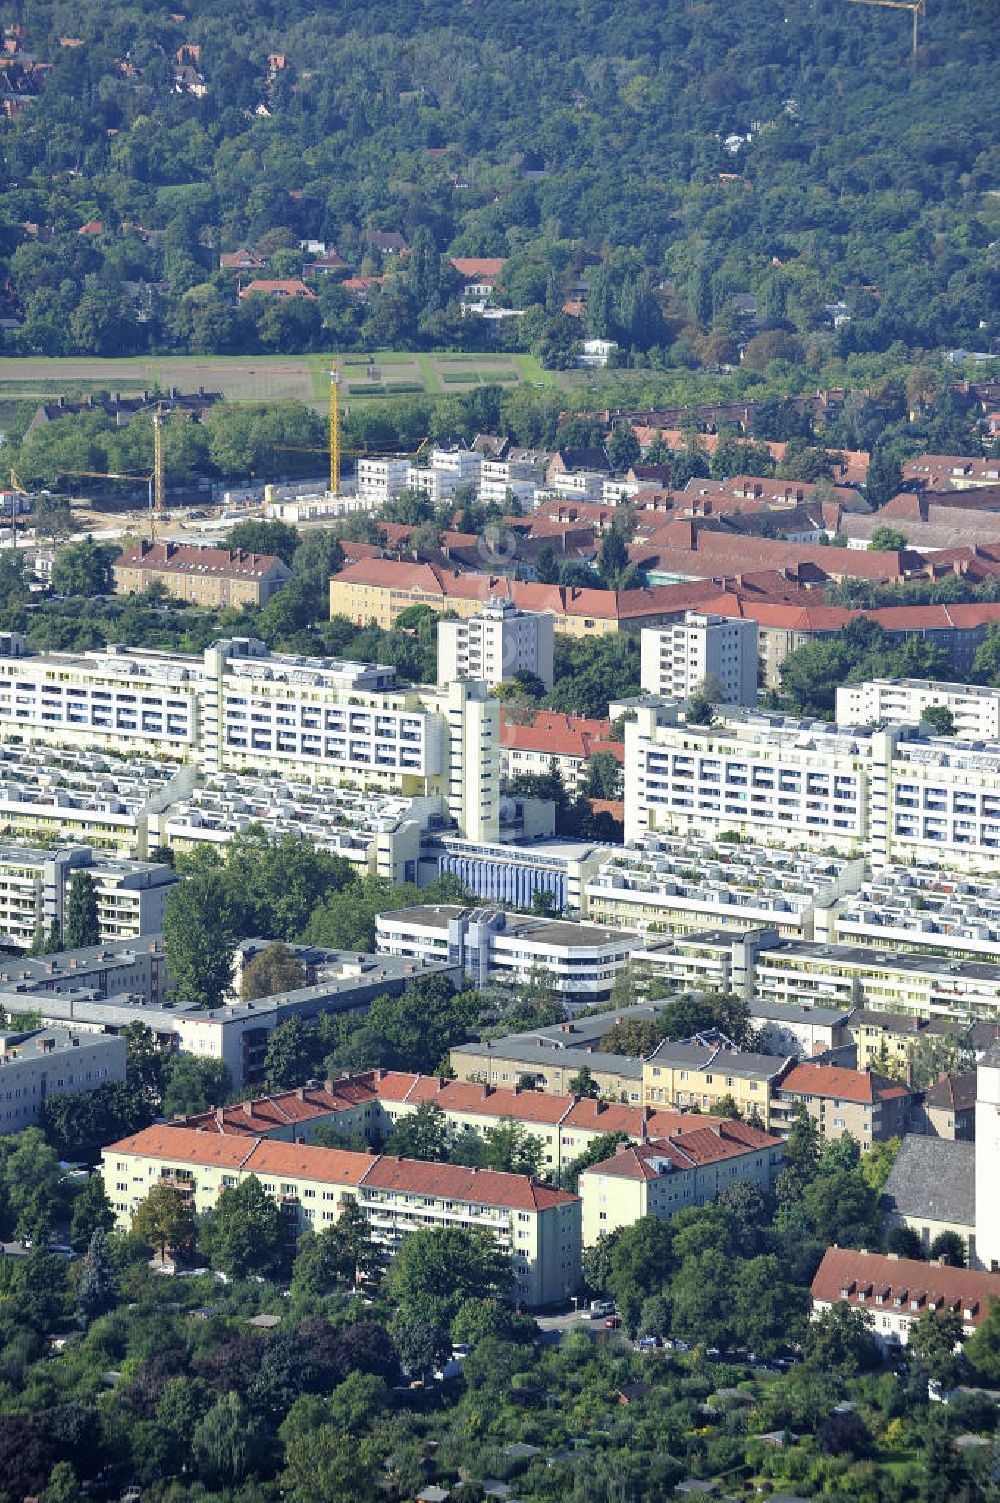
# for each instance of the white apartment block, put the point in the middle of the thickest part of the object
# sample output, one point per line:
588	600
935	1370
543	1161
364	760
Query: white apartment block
449	469
776	780
578	961
52	1062
893	795
576	485
381	480
923	907
243	709
35	886
538	1226
494	645
975	708
520	474
677	659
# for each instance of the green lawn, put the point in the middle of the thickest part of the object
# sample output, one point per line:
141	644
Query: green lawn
271	378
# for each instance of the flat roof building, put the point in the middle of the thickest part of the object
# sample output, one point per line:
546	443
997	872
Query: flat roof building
579	961
44	1062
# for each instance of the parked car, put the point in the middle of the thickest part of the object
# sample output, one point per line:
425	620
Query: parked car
612	1323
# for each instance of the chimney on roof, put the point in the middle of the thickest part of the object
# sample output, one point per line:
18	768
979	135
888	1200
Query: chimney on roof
220	1115
248	1108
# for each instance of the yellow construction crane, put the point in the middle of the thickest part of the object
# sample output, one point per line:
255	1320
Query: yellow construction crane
918	8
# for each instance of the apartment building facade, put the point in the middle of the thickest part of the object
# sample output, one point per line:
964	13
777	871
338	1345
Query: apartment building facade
534	743
35	886
870	1107
896	1291
40	1063
663	1175
975	708
892	794
701	650
771	970
539	1227
241	708
698	1075
209	577
494	645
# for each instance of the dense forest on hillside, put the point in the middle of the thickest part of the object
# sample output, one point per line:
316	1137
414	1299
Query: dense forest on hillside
678	159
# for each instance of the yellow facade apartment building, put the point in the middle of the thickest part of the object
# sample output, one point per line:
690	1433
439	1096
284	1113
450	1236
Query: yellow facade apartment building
210	577
690	1167
540	1227
379	589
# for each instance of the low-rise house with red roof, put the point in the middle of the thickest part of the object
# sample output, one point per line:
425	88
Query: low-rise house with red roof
242	260
479	276
286	287
690	1166
328	263
896	1291
530	742
209	577
871	1107
539	1226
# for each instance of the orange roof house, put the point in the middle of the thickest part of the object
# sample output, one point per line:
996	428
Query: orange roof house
292	287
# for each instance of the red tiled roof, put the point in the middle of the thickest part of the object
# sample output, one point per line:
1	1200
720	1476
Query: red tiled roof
516	1192
479	1100
862	1086
285	1107
559	735
865	1275
184	1145
479	268
184	558
688	1147
280	287
242	260
338	1166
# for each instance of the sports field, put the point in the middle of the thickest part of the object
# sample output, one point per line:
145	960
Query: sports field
248	378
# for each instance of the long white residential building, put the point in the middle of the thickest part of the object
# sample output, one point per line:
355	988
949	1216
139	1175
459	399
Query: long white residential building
975	708
579	961
677	659
241	708
495	644
893	795
765	968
